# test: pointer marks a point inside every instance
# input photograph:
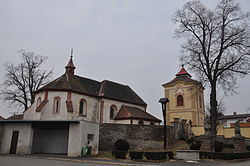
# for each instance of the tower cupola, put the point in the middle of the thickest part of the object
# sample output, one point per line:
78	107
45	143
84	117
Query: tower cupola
70	68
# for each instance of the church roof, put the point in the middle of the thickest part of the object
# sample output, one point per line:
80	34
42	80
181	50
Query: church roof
15	117
86	86
182	76
128	112
183	72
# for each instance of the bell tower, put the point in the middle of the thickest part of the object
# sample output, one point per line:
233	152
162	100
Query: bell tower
186	99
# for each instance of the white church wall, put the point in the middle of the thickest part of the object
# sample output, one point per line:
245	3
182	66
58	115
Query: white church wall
92	108
106	109
30	113
48	114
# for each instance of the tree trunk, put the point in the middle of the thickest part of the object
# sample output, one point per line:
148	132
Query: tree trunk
213	110
32	99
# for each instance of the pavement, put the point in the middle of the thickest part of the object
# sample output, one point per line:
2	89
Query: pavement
57	160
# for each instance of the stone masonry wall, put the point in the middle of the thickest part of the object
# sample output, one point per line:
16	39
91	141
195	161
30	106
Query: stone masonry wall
139	137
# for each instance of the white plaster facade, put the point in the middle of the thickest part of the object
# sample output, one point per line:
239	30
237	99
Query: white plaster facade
24	143
94	109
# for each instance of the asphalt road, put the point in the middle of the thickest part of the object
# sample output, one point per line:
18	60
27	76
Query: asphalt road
8	160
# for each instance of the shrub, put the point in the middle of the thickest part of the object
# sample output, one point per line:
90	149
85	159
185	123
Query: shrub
218	146
136	155
122	145
190	140
195	145
119	154
229	146
156	155
170	154
248	147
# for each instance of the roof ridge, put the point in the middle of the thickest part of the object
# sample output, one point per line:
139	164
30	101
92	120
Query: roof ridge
87	78
101	93
115	82
68	82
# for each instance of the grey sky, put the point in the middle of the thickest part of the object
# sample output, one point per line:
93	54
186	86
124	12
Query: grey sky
126	41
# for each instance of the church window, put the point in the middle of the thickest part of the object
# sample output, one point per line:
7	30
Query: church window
140	122
56	104
83	107
38	101
112	111
179	100
200	101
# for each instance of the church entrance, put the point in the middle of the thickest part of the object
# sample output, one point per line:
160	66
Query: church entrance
50	138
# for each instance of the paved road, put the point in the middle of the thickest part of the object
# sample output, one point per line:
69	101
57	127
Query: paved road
7	160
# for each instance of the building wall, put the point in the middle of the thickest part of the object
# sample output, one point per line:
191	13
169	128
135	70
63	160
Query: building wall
78	137
24	143
198	130
95	110
223	131
107	103
139	137
193	99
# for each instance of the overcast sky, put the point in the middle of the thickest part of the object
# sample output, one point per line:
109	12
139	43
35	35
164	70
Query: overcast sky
127	41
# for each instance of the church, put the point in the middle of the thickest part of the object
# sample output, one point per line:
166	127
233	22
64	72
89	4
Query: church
67	113
186	99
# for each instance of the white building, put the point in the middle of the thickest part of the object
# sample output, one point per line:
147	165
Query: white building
66	115
230	120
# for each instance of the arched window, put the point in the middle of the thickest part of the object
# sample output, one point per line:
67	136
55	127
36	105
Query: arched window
83	107
179	100
38	102
140	122
112	111
56	104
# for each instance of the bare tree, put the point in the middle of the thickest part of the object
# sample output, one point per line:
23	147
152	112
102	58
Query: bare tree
216	46
221	108
23	79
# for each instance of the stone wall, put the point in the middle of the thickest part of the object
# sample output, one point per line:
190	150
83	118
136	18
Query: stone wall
139	137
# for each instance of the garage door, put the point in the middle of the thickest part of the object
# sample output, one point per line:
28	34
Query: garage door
50	140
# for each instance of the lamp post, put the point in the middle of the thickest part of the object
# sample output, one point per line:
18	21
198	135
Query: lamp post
163	102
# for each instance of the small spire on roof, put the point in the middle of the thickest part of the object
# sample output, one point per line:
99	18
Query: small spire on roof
71	53
183	72
70	66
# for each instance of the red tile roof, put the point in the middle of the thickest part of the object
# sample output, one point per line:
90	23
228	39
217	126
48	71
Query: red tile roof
183	72
15	117
128	112
182	76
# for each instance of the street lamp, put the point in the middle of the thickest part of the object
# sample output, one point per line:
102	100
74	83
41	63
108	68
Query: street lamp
163	102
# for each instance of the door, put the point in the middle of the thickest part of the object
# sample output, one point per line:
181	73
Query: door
14	140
